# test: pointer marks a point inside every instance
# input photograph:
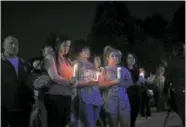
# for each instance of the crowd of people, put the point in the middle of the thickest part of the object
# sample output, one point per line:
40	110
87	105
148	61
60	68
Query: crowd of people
52	92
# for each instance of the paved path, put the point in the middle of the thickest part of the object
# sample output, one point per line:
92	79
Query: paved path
157	120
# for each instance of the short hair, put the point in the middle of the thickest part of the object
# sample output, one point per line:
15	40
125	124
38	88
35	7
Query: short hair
94	56
10	37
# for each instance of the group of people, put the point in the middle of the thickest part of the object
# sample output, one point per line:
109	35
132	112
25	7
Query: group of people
97	90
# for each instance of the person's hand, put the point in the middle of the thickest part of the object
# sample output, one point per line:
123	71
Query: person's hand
150	79
73	80
92	83
141	80
36	93
116	81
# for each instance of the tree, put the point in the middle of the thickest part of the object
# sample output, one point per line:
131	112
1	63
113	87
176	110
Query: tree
109	25
155	25
179	24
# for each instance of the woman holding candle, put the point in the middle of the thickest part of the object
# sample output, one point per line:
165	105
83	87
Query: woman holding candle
116	103
145	111
97	64
134	90
90	100
58	96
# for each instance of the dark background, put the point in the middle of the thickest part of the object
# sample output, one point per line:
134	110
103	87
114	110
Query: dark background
150	29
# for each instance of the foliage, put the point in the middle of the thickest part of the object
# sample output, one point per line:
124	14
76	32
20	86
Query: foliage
109	25
114	26
179	24
154	26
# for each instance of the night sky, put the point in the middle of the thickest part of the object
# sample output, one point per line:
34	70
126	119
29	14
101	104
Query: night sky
32	22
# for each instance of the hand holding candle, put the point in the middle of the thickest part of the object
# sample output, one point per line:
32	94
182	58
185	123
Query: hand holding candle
75	67
97	76
118	72
142	73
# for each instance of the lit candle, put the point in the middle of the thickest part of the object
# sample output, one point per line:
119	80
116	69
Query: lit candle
118	72
142	72
97	75
75	67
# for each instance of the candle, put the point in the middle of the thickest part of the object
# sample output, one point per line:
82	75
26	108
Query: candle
97	75
118	72
142	74
75	67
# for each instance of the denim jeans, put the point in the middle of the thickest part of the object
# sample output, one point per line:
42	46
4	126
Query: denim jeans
89	114
117	107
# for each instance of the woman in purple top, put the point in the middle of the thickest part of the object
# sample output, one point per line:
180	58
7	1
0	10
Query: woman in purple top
90	100
115	97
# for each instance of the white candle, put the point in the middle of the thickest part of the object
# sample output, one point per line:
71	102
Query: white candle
118	72
142	74
97	75
75	69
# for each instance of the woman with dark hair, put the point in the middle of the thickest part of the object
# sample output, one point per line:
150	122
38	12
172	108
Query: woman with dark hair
90	100
134	90
114	84
98	65
58	96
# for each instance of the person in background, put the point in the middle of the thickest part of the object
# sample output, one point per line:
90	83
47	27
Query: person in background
89	95
145	110
38	64
134	90
159	89
97	64
16	95
59	91
114	84
39	108
176	76
158	80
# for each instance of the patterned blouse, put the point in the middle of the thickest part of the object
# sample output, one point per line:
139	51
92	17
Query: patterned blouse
88	94
115	97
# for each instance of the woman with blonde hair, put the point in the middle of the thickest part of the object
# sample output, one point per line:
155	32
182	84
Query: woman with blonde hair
114	84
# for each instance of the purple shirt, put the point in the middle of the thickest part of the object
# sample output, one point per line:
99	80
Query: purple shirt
91	94
15	63
116	97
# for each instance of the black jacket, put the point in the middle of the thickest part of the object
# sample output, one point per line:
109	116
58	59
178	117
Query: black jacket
15	92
